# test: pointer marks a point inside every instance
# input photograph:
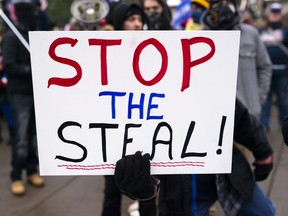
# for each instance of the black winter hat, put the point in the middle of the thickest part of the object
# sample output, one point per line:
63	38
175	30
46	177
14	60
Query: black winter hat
122	11
25	13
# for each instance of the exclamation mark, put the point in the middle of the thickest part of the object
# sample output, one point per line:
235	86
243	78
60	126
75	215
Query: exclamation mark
219	151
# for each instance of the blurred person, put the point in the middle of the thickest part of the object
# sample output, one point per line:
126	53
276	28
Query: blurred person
238	193
275	37
158	13
4	102
20	91
247	17
158	16
73	25
103	25
254	66
53	26
198	7
8	9
128	17
124	16
44	22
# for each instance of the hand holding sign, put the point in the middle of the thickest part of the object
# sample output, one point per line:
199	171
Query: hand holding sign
132	176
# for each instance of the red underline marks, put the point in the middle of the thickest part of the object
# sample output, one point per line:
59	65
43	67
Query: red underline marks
88	167
112	166
177	164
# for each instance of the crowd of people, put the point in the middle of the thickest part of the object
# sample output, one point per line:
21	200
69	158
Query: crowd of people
262	82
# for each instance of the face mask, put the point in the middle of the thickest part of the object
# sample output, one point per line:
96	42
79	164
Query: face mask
154	21
153	16
224	13
158	21
196	16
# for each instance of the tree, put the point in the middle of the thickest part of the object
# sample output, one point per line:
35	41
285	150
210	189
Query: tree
59	11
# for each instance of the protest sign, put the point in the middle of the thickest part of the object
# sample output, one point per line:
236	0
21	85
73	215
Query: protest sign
101	95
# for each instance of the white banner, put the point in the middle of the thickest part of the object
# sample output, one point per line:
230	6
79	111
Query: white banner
100	95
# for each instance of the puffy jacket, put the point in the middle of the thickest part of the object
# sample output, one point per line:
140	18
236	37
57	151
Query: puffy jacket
175	196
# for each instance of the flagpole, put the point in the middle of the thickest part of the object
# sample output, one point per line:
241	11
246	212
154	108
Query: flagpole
13	28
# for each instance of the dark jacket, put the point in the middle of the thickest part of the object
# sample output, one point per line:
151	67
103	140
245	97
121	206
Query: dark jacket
277	50
17	63
16	57
176	190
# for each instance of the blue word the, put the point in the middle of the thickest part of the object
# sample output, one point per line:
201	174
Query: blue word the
133	105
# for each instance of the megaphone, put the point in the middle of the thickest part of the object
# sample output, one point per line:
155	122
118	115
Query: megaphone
88	12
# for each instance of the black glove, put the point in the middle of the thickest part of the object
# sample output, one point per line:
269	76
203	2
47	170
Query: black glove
262	171
132	176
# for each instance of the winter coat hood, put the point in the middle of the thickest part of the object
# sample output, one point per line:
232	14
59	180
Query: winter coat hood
122	11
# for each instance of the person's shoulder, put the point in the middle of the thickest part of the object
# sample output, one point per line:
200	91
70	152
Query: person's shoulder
249	28
250	31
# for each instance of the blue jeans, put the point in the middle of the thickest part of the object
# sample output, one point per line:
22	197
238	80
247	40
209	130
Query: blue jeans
259	205
6	111
24	153
279	86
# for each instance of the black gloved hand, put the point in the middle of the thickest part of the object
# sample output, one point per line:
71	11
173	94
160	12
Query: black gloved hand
262	171
132	176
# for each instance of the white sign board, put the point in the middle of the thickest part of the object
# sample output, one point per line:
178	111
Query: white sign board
102	95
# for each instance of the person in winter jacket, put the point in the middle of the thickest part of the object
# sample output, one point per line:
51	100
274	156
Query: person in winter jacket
275	37
181	195
20	92
238	192
158	13
198	7
128	17
254	66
